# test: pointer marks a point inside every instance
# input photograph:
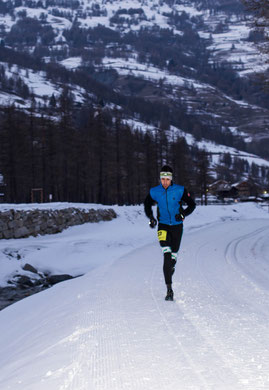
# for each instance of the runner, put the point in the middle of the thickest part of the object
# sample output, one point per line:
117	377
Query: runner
170	215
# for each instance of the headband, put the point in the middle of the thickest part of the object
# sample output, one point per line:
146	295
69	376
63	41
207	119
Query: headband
166	175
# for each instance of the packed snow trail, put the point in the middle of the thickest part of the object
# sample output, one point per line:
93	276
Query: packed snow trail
112	329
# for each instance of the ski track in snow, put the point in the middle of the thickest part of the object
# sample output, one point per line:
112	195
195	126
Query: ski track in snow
226	306
214	336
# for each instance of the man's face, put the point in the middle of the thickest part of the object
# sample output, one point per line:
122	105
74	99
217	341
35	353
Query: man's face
165	182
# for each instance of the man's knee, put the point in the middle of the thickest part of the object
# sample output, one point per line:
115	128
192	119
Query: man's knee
166	249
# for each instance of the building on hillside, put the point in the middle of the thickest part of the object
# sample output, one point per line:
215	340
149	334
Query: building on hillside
242	190
222	189
247	188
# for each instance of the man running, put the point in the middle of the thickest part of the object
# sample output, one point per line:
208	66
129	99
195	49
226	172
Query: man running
170	215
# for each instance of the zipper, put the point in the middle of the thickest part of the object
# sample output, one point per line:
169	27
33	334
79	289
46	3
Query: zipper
167	206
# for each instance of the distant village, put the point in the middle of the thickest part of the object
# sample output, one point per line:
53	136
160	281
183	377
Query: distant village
246	190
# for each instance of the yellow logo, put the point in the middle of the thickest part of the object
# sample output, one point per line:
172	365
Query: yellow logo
162	234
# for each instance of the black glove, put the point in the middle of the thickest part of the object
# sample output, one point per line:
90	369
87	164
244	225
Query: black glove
152	222
180	217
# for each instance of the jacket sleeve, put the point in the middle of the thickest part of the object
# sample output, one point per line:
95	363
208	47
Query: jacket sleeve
148	203
186	198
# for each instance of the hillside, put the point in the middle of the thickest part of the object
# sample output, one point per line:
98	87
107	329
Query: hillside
187	65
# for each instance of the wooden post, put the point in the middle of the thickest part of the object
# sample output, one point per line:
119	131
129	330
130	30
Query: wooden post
33	191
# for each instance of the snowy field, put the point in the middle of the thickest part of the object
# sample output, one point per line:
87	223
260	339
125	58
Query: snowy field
111	328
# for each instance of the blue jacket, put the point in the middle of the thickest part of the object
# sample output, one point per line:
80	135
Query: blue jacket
168	202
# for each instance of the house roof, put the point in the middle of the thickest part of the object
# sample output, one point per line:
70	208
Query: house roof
220	185
217	182
245	181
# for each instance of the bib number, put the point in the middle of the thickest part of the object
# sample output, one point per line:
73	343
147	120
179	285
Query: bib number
162	235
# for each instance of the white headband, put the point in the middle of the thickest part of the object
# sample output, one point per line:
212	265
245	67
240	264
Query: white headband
166	175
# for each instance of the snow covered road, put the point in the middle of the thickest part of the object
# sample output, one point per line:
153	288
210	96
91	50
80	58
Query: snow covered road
112	330
224	298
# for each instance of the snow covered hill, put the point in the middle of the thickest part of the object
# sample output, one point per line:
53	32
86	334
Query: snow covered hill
198	60
112	329
224	28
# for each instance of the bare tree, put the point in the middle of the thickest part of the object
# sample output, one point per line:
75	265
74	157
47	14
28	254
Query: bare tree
260	10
